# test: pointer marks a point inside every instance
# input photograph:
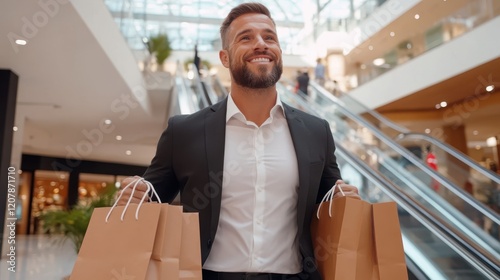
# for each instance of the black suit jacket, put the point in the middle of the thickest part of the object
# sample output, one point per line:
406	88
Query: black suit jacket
190	155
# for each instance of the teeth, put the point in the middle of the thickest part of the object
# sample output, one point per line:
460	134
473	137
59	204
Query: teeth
260	59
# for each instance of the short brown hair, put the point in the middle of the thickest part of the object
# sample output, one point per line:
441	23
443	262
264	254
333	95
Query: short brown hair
242	9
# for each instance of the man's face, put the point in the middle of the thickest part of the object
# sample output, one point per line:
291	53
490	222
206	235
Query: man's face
253	54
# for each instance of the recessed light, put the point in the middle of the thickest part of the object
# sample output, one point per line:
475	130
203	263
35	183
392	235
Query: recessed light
370	47
378	61
443	104
392	34
128	152
21	42
362	66
427	130
475	132
490	88
478	147
107	121
118	137
438	106
15	128
417	16
491	141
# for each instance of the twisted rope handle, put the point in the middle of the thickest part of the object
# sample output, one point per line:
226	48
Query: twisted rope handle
135	183
329	197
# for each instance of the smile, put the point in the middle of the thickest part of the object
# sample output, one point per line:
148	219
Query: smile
260	59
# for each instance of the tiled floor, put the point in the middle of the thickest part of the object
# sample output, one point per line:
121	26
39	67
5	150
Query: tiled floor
39	257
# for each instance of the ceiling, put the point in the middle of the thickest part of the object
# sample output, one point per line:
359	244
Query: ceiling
69	84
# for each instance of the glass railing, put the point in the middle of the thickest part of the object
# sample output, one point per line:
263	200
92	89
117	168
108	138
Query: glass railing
467	18
458	209
123	12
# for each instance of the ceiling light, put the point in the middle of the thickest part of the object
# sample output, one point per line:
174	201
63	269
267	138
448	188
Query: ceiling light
392	34
21	42
15	128
118	137
438	106
475	132
128	152
417	16
108	121
370	47
443	104
378	61
478	147
427	130
490	88
362	66
491	141
409	46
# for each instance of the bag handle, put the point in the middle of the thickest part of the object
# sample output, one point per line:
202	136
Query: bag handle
135	182
329	197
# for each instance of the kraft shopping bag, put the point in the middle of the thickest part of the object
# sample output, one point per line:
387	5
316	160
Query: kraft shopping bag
167	245
350	240
388	243
116	248
190	260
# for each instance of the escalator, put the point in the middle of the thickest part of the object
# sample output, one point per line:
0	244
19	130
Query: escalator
395	141
455	166
450	244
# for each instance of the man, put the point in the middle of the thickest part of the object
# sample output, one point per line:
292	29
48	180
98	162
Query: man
431	161
319	72
303	82
251	166
196	60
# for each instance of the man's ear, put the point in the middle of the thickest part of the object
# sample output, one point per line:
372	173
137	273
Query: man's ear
224	58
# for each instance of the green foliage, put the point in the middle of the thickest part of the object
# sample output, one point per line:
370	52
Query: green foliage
73	223
159	46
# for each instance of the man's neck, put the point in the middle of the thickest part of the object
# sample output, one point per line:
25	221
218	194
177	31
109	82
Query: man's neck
255	104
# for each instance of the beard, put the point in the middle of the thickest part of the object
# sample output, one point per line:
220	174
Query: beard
245	77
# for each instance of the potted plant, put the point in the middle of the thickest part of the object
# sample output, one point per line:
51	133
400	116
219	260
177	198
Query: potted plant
159	47
73	223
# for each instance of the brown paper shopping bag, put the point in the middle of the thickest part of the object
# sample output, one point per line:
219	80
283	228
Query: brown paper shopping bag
350	242
167	246
190	260
116	247
388	243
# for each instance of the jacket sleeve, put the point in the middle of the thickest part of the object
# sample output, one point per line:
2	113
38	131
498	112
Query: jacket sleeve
160	172
331	172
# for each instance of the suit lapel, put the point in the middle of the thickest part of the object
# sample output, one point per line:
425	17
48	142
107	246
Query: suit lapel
215	135
299	133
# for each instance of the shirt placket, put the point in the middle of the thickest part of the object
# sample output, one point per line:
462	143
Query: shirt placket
260	199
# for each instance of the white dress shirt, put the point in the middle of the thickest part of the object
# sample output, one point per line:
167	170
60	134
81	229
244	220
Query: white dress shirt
257	229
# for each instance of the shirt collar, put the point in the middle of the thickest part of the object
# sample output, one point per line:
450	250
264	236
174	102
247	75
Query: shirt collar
234	111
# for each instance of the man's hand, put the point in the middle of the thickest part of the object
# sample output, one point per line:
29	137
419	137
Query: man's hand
349	190
138	194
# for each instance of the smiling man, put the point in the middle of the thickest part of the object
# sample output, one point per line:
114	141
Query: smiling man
251	166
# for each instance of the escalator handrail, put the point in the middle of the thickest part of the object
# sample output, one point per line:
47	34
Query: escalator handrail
495	217
404	132
454	152
186	105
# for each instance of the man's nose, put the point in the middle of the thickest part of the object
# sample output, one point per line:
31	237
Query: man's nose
260	43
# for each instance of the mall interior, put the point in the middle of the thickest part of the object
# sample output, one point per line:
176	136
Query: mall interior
411	91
